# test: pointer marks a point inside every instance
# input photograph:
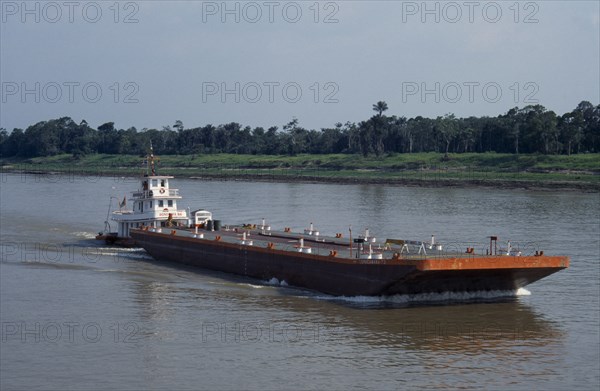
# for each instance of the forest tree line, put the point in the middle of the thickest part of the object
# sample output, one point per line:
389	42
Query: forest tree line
531	129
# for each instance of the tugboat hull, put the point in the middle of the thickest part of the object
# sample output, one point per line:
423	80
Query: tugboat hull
113	239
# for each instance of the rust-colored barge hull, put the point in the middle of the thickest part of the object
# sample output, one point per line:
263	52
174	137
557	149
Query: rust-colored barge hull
343	275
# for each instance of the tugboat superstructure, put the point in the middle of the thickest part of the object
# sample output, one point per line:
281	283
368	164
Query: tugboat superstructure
154	204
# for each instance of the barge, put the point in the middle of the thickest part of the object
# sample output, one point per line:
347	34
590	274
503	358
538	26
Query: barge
333	266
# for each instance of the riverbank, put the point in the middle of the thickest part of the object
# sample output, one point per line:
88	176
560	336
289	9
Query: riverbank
577	172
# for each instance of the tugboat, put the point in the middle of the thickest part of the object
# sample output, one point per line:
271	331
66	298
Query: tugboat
154	205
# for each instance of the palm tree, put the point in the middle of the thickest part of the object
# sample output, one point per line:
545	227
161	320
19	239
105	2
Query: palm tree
178	125
380	107
376	129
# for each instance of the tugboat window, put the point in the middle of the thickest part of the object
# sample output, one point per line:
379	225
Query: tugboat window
162	183
154	182
160	203
170	203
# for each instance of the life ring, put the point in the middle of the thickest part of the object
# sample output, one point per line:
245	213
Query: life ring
162	190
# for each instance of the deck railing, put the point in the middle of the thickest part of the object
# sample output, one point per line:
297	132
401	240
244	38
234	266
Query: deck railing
449	250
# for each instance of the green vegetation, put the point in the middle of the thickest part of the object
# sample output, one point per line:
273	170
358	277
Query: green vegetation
488	169
529	130
530	147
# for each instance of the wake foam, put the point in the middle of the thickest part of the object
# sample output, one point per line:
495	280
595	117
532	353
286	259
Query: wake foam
276	282
118	253
119	249
430	297
523	292
84	235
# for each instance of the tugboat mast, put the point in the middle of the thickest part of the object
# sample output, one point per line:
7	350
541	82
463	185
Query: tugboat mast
150	163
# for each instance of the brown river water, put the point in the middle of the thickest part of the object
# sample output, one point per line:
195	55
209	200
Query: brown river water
77	314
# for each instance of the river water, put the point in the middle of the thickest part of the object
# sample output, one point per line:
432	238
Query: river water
77	314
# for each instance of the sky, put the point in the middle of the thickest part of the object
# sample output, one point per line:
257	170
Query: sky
263	63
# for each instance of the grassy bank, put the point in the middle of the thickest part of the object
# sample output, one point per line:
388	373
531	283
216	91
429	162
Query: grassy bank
431	169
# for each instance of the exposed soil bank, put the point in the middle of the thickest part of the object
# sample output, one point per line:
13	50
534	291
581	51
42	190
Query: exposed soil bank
548	185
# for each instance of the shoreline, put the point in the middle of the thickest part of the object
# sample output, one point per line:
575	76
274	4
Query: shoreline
509	184
469	170
428	183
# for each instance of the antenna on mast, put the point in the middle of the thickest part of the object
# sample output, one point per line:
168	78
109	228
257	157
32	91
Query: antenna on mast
151	158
